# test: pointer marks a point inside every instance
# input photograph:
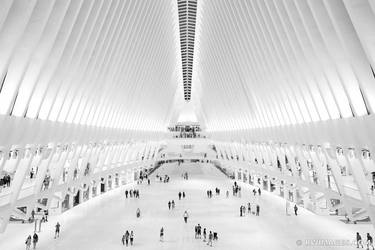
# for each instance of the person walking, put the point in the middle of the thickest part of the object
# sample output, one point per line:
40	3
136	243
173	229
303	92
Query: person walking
123	239
227	193
162	234
369	241
35	240
248	207
127	237
57	230
179	195
295	209
173	204
210	237
169	205
259	192
359	240
138	213
186	216
204	234
28	242
131	238
257	210
183	195
126	193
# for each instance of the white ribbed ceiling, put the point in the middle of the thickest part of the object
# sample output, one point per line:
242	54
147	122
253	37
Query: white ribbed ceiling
118	63
107	63
265	63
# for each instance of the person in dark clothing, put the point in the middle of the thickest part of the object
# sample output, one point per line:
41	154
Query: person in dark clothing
126	194
127	237
179	195
369	241
169	205
35	240
257	210
162	234
295	209
259	192
199	229
183	195
57	230
131	238
359	240
186	216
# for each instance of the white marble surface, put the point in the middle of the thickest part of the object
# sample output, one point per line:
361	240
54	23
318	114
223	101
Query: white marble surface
100	222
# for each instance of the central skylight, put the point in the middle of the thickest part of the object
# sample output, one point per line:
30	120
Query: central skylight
187	12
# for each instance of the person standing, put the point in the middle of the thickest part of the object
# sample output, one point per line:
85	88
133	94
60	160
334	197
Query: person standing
359	240
173	204
259	192
127	237
240	211
28	242
169	205
257	210
162	234
126	194
35	240
183	195
57	230
204	234
186	216
249	207
131	238
179	195
227	193
295	209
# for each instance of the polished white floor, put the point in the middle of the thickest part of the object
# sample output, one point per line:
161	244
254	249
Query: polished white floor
100	222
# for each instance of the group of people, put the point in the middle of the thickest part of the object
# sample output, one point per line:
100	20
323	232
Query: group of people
5	181
236	190
185	176
211	236
209	193
255	192
128	238
243	209
181	195
35	238
369	241
171	204
164	179
132	193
